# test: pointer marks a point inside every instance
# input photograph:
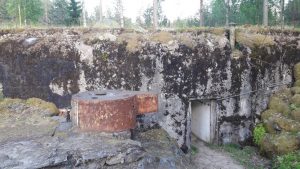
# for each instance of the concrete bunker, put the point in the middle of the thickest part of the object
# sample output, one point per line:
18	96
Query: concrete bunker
203	119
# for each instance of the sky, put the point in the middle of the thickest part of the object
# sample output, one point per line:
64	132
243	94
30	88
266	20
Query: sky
173	9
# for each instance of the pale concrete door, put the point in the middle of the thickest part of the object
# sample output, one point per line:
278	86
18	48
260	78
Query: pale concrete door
201	120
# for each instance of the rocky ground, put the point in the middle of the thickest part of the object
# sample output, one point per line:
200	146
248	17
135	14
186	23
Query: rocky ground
32	136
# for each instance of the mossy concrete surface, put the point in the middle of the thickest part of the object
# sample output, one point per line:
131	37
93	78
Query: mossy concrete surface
254	40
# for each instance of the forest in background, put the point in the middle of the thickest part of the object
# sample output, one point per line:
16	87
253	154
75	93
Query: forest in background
217	13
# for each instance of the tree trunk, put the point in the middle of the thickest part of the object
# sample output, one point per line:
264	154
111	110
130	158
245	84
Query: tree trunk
265	13
281	13
227	13
155	14
20	17
100	12
121	14
46	3
83	13
201	14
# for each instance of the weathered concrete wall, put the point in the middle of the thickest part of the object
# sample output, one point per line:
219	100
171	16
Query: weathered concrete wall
178	65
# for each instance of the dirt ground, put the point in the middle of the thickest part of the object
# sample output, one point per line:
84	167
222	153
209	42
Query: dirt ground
207	158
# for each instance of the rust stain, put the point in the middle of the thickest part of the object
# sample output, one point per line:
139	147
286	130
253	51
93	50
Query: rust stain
116	111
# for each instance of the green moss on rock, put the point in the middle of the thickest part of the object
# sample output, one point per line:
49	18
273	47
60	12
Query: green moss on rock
279	105
279	144
267	114
297	71
284	94
296	100
269	126
287	124
297	83
296	114
295	90
50	107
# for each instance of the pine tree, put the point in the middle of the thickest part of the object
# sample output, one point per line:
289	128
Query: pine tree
148	15
292	13
3	12
59	13
75	10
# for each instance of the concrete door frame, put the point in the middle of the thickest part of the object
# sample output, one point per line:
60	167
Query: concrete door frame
213	118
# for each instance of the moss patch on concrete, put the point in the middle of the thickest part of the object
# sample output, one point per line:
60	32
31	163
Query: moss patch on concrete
133	41
254	39
161	37
47	106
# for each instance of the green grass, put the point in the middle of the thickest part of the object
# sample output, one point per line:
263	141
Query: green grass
288	161
194	150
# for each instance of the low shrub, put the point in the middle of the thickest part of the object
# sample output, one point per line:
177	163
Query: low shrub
258	134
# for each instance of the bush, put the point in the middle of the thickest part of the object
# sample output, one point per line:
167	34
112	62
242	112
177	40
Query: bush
259	133
288	161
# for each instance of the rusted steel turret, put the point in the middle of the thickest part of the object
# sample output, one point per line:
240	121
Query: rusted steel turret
111	111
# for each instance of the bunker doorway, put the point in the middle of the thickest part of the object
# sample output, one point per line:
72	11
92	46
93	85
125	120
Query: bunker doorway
203	119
